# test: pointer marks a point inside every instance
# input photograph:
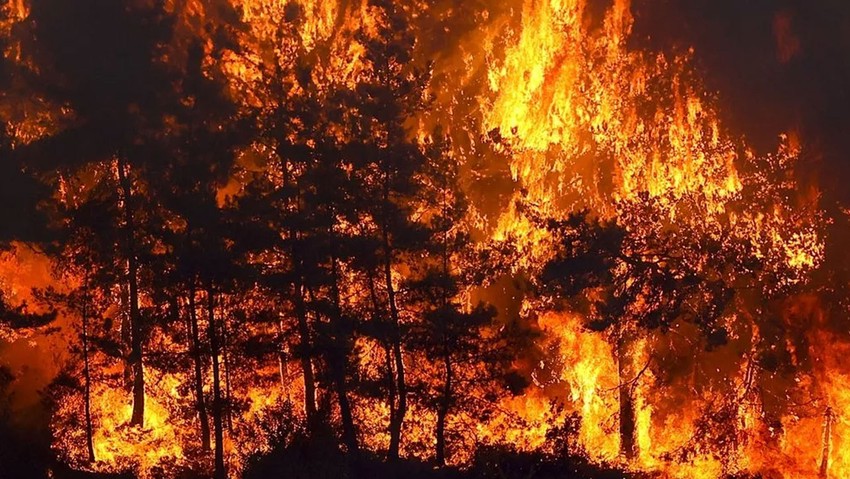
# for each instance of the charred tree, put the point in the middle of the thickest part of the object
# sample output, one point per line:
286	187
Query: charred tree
197	363
136	329
397	418
305	347
389	376
828	417
217	406
226	362
305	359
445	404
628	444
200	141
84	316
310	408
339	357
276	200
98	59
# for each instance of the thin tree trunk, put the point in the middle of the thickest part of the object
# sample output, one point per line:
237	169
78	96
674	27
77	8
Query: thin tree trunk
391	392
200	403
349	431
388	357
220	471
281	358
443	411
827	443
126	337
397	421
87	374
305	346
226	361
627	411
305	356
323	398
138	416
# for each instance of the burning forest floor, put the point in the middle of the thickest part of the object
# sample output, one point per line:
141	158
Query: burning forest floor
27	455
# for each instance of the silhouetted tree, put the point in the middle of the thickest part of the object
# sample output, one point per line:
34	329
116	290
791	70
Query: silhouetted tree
100	58
390	168
468	354
200	149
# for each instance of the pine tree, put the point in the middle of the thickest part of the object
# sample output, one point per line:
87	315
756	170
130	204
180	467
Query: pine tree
99	58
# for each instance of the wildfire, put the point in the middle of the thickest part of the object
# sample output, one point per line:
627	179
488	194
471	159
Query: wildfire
586	123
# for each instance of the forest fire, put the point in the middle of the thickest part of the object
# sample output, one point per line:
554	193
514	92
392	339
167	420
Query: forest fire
425	238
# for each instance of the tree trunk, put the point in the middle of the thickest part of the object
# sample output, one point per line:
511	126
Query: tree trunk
87	375
349	433
305	346
388	356
338	364
397	420
446	403
136	360
220	471
390	379
225	357
305	355
827	443
126	337
443	412
281	359
627	411
200	403
323	398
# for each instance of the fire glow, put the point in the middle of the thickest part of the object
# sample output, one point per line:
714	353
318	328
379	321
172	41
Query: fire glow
428	229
